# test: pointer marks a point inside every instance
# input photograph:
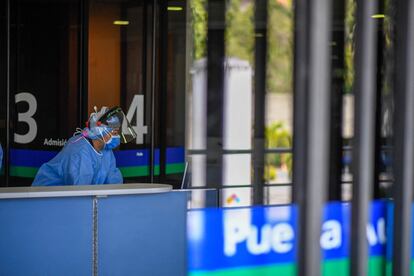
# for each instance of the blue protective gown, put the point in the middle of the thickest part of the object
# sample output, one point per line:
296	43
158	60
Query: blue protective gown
78	163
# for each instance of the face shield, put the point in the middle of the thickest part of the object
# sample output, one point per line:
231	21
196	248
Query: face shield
116	120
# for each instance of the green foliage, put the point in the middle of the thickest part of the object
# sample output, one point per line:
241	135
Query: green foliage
277	136
280	46
349	45
239	35
270	173
199	27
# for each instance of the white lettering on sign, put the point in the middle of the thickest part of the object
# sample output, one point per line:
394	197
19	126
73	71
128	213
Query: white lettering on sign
331	235
137	108
282	235
236	231
279	238
56	142
376	236
255	246
26	117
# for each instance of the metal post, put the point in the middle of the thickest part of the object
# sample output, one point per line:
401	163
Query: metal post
83	93
404	137
381	78
364	139
260	51
300	99
153	80
215	91
8	91
337	46
312	79
161	101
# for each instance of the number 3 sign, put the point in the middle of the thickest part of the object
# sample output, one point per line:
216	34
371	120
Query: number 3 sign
27	117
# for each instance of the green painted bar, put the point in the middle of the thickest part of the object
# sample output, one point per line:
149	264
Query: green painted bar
340	267
175	168
376	267
138	171
29	172
134	171
336	267
388	268
144	171
271	270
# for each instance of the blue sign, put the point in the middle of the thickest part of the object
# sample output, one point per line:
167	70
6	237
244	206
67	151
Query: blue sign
259	236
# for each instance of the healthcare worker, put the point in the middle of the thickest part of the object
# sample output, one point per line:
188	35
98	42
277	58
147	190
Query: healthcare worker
87	157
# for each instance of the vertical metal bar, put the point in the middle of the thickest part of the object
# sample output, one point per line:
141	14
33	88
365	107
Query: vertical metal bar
380	78
335	152
124	56
215	91
260	51
144	47
162	88
404	137
8	134
312	81
153	72
318	133
83	62
364	139
146	70
300	100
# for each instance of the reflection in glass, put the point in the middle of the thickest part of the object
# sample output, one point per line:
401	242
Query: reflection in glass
238	97
276	195
118	76
44	79
236	197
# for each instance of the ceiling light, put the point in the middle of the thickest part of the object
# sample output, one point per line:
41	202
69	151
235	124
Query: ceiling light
172	8
121	22
378	16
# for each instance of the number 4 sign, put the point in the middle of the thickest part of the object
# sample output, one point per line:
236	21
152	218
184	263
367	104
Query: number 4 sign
137	108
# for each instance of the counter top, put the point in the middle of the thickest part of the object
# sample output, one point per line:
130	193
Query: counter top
83	190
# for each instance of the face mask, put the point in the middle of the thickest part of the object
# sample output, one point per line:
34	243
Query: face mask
113	142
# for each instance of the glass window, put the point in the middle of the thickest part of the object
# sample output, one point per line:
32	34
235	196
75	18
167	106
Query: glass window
44	79
228	153
279	101
3	89
119	50
170	91
277	195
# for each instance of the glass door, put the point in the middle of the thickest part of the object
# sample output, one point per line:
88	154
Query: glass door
44	82
119	74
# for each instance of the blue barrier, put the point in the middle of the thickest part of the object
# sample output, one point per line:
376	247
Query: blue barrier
138	234
47	236
142	235
263	240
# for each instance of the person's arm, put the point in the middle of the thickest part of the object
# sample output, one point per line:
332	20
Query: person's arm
114	174
78	170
